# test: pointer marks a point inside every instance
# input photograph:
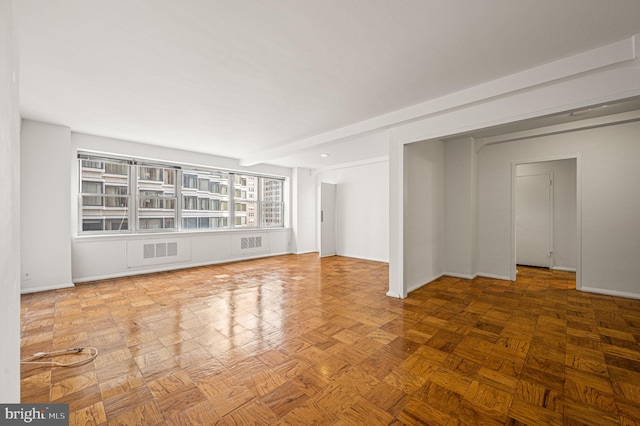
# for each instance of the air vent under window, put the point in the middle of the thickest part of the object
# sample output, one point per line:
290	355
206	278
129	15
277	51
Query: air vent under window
151	251
250	243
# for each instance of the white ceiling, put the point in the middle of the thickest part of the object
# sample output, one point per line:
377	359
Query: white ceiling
236	78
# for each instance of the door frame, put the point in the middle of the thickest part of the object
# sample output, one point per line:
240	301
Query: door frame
514	166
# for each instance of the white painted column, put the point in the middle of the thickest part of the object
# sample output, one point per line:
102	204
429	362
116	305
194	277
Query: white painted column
45	179
397	287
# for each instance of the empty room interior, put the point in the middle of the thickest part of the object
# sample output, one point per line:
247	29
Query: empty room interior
321	212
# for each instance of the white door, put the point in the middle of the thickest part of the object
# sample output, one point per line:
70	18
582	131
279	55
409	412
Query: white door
533	220
327	219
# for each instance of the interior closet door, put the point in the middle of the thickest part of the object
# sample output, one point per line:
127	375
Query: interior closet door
327	219
533	220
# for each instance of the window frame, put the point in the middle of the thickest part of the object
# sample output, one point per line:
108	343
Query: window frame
225	183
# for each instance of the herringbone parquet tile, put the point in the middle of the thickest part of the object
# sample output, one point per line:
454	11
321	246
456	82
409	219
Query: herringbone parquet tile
300	340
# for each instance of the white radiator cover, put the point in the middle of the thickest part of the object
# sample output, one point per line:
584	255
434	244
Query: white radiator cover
118	256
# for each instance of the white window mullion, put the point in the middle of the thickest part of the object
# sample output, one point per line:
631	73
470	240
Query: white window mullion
133	196
232	200
179	200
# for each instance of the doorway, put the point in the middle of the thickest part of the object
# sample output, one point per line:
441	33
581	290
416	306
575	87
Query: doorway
545	219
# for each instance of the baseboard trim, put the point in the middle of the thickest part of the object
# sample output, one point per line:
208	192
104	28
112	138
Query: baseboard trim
562	268
394	294
46	288
306	252
495	277
463	276
610	292
363	258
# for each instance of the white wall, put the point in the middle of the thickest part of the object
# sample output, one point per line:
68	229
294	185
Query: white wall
608	160
45	206
564	208
97	257
303	211
54	255
10	207
423	213
570	83
460	208
362	209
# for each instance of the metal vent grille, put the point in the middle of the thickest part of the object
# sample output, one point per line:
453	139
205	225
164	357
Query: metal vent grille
250	243
149	251
172	249
152	251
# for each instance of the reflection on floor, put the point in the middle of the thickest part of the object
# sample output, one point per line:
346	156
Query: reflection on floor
302	340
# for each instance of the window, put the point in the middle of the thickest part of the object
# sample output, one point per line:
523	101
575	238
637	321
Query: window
119	195
244	189
89	187
150	173
189	202
116	224
92	164
116	169
189	181
272	205
105	195
203	204
156	193
156	223
117	202
205	201
93	224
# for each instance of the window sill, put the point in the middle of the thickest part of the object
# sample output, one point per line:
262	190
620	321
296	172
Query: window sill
172	234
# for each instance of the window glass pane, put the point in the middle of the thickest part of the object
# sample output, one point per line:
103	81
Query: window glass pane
91	201
111	200
109	180
89	187
92	164
150	223
116	224
156	195
189	202
116	168
205	199
272	206
272	189
189	181
245	191
272	214
190	222
151	173
92	224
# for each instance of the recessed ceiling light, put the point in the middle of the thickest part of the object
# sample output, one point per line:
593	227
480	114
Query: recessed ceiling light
324	155
586	111
580	112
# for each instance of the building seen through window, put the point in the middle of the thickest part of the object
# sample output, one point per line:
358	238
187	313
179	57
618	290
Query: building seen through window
120	195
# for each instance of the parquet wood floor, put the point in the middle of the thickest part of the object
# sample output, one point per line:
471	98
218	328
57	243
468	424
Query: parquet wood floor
298	340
